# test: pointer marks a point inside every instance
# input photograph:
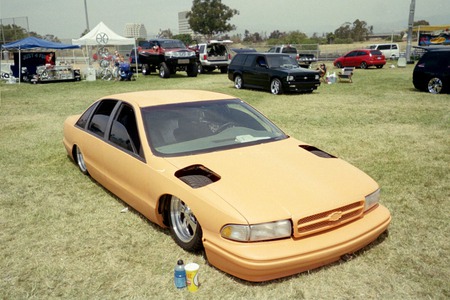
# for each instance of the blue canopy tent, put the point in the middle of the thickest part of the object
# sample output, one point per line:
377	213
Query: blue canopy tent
33	43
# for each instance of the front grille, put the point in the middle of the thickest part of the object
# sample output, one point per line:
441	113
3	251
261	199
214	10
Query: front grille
326	220
305	78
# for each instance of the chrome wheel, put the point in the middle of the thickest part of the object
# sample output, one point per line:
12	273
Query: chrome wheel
80	160
184	227
435	85
275	86
238	82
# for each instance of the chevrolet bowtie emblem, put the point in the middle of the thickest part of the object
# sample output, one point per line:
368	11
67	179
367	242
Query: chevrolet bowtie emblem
335	216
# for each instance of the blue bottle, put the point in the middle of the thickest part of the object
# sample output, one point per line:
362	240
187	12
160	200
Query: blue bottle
180	275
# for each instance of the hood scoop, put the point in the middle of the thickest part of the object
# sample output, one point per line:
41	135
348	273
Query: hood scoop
316	151
197	176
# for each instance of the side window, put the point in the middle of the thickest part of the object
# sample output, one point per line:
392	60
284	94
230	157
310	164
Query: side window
271	50
351	54
239	59
249	60
101	116
82	121
202	49
124	132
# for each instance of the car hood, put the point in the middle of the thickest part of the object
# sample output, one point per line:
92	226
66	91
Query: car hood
296	71
280	180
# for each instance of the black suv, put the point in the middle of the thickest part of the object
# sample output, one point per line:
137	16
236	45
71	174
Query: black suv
432	72
166	55
271	71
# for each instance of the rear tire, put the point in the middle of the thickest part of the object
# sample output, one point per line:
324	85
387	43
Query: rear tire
192	70
79	158
435	85
238	82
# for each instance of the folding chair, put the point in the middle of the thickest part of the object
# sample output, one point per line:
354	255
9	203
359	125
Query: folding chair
346	74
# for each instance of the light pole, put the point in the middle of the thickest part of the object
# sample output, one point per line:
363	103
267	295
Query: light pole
86	13
410	31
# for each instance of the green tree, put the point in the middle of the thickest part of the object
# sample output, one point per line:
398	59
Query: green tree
185	38
210	17
356	31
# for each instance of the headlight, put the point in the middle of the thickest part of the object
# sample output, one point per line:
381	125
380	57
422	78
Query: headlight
372	199
257	232
317	77
290	78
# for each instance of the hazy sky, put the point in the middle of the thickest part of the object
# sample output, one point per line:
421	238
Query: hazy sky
66	18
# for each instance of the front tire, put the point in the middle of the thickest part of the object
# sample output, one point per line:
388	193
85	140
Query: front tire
435	85
164	71
184	227
276	87
363	65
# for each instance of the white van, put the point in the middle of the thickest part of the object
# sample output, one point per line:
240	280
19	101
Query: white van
390	51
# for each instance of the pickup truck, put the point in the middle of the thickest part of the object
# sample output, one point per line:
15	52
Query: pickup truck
165	55
304	59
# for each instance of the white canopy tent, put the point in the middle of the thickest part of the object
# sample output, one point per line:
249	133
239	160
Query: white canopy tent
102	35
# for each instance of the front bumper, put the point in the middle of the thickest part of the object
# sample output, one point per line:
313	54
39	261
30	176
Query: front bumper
292	86
275	259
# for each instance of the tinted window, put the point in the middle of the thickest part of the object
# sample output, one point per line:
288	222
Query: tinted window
249	60
124	132
101	116
238	59
351	54
82	121
289	50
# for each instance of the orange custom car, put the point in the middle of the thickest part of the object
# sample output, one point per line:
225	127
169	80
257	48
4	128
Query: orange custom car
224	178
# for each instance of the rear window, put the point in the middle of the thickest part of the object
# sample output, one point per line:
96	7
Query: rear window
376	52
289	50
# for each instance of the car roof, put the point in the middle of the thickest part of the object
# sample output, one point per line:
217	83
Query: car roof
263	53
162	97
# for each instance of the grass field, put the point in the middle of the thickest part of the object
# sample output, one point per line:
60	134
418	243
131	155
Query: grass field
64	236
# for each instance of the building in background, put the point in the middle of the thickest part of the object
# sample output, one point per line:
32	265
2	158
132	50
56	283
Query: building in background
183	24
135	30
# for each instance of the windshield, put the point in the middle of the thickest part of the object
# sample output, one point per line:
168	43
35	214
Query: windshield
172	44
189	128
282	61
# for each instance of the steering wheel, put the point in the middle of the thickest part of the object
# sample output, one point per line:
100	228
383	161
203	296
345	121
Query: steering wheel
225	126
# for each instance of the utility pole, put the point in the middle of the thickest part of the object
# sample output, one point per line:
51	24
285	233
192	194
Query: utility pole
410	30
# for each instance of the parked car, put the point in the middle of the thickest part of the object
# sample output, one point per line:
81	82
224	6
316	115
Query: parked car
213	55
165	55
432	71
271	71
304	59
390	51
362	58
224	178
